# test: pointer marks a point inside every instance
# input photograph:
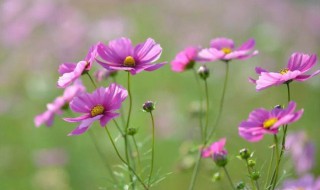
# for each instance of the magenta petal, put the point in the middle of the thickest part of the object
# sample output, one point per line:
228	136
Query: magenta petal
210	54
248	45
67	78
122	47
84	126
148	51
66	68
155	66
302	78
77	119
219	43
259	70
107	117
44	118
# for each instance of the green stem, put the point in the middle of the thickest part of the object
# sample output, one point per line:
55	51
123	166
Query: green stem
102	156
249	171
269	168
229	178
201	106
152	152
137	149
275	173
117	125
221	101
92	81
196	168
120	157
121	108
288	91
127	126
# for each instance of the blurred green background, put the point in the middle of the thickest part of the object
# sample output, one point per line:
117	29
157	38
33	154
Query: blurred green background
38	35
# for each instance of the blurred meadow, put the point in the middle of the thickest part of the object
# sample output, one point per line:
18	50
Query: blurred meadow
38	35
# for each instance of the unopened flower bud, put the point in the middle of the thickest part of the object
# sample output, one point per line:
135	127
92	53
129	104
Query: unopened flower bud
244	153
251	163
132	131
220	159
277	107
203	72
241	185
255	175
148	106
216	176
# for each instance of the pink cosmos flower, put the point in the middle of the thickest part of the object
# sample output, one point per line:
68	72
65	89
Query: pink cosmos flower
224	49
103	74
184	60
72	71
302	152
58	104
262	121
307	182
120	54
298	64
215	149
100	105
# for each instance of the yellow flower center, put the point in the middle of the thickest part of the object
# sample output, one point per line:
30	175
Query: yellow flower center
97	110
269	123
226	50
284	71
129	61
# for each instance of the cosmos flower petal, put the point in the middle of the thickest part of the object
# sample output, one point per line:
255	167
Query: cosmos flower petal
107	117
248	45
219	43
84	126
148	51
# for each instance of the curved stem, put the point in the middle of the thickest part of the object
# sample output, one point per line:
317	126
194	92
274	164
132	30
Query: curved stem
195	171
221	101
269	168
120	157
229	178
92	81
152	152
127	126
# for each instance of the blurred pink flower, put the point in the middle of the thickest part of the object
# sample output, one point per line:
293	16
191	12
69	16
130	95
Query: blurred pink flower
103	74
307	182
223	49
120	54
184	60
100	105
51	157
262	121
72	71
298	64
302	151
215	148
57	105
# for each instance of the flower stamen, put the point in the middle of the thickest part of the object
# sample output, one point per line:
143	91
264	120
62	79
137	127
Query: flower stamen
226	50
129	61
97	110
269	123
284	71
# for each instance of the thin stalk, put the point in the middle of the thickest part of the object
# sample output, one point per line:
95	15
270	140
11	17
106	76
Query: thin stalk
137	149
275	173
269	168
201	106
152	152
118	127
249	171
196	167
120	157
229	178
127	126
102	156
257	184
221	101
92	81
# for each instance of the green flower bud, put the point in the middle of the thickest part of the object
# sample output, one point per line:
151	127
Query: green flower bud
132	131
216	176
255	175
251	163
245	154
203	72
241	185
148	106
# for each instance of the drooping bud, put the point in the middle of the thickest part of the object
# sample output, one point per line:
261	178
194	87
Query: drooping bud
132	131
148	106
203	72
244	154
